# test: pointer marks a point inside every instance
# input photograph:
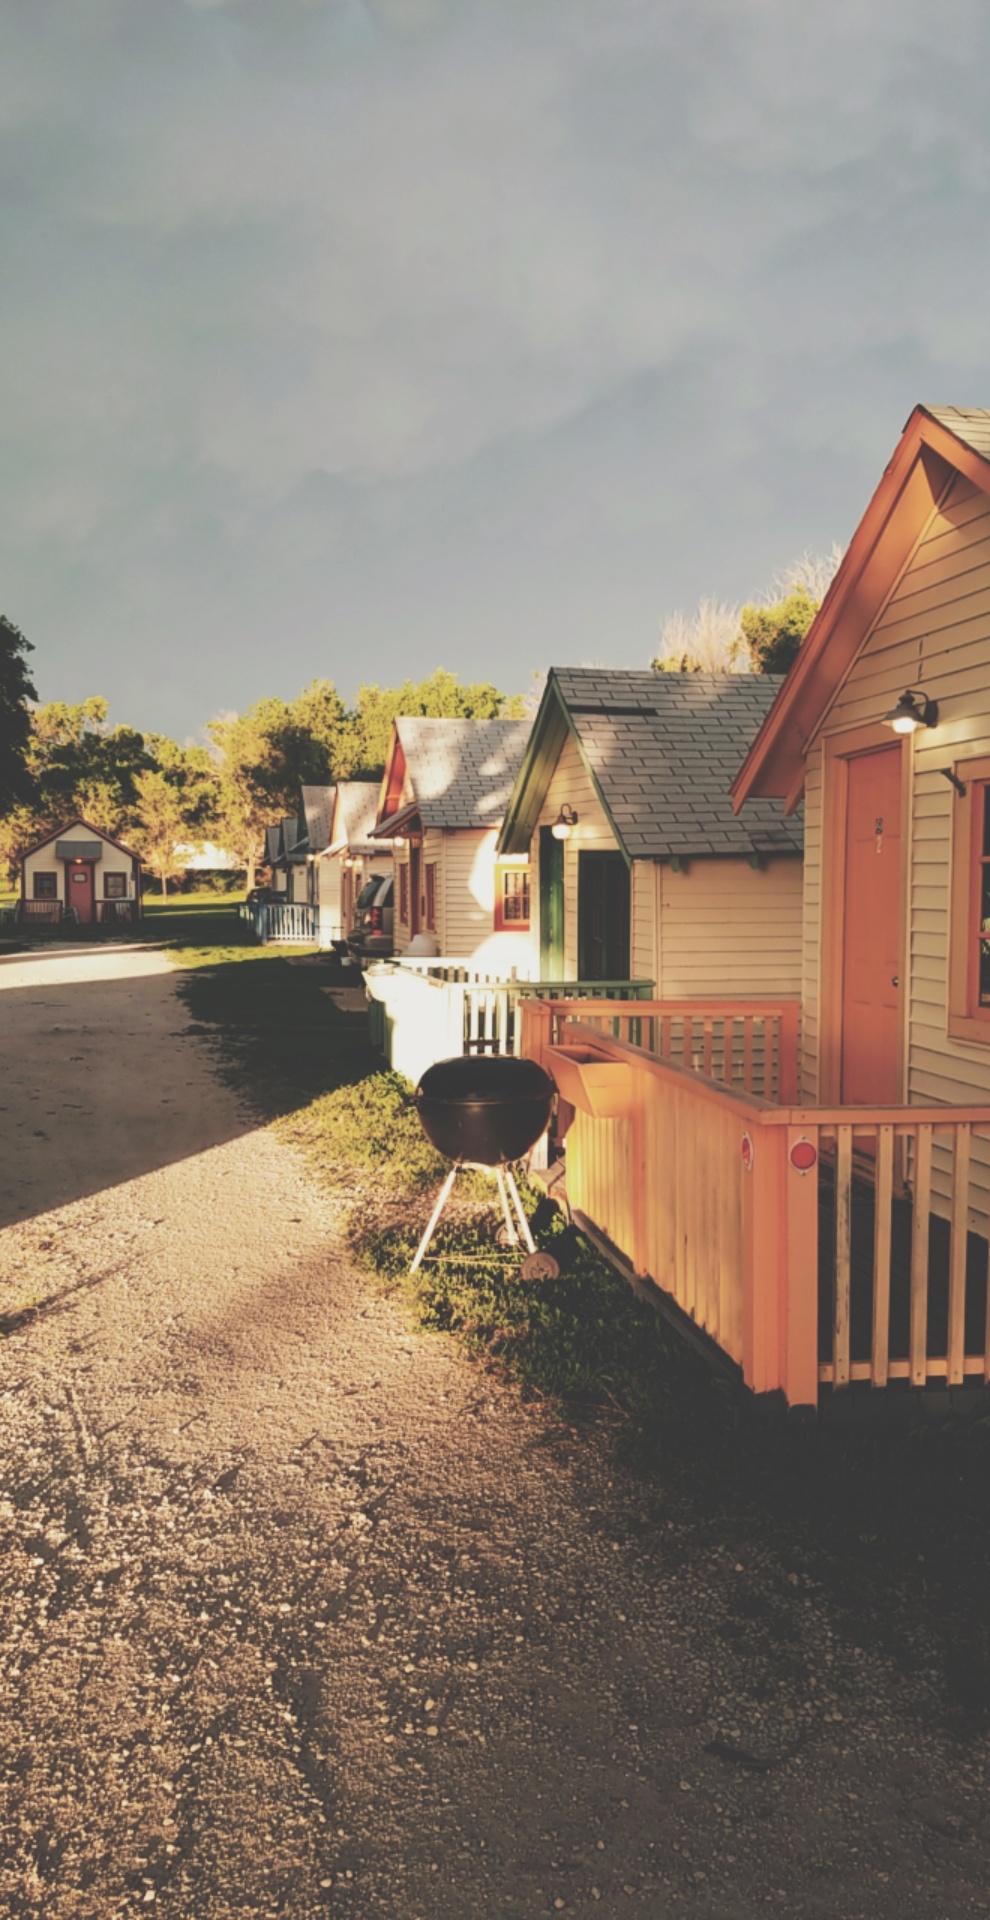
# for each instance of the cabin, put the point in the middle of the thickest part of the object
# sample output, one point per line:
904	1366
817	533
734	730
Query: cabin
82	874
443	795
808	1184
351	856
638	868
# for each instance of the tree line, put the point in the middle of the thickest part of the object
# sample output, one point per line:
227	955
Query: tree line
58	760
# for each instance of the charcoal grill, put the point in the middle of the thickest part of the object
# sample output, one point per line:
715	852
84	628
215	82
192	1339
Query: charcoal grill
484	1110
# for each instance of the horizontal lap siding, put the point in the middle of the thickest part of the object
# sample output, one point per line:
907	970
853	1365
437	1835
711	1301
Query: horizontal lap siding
727	928
934	632
467	869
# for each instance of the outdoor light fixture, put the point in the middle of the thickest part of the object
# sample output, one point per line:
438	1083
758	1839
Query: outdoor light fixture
398	841
913	710
566	819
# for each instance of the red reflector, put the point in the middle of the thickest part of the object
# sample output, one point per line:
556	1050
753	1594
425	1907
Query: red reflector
747	1153
804	1156
375	918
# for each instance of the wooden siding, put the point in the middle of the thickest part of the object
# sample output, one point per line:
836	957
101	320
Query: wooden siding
933	632
727	928
45	860
573	786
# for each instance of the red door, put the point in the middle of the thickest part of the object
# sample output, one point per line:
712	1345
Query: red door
872	943
79	888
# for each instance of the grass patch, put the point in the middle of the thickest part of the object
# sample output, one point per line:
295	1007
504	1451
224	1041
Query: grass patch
369	1124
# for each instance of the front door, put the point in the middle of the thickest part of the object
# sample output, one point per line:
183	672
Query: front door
603	917
551	905
79	888
872	936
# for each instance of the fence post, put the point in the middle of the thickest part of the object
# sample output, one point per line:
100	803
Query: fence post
765	1264
787	1091
799	1315
537	1016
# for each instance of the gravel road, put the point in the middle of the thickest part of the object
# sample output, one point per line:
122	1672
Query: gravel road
300	1614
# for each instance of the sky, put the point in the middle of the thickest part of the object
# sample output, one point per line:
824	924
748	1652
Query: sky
350	338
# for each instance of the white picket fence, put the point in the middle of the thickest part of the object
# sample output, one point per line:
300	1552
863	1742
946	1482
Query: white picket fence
431	1009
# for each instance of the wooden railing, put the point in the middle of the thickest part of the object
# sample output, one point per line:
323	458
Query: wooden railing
424	1010
119	911
816	1246
47	912
748	1044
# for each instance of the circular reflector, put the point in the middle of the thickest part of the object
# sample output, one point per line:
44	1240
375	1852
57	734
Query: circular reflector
804	1155
747	1153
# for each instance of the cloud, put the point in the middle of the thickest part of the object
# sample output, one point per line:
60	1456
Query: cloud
419	263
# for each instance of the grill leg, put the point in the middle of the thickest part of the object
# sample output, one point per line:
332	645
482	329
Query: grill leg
510	1225
510	1181
435	1216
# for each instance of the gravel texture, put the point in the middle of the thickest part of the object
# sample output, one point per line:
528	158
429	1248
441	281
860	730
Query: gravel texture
300	1614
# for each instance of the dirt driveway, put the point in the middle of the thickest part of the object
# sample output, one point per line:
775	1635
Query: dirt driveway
301	1615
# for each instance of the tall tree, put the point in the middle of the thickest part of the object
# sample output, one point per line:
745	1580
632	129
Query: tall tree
158	826
707	641
16	689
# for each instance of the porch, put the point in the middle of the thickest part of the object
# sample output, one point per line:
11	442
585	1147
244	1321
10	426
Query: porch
423	1010
817	1247
283	923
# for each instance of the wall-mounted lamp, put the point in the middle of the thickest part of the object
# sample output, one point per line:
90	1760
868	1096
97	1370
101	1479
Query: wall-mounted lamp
398	841
913	710
349	862
566	820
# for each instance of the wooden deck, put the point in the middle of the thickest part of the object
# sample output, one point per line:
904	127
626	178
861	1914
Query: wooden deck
816	1246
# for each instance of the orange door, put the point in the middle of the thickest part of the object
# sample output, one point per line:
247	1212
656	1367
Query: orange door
79	889
872	942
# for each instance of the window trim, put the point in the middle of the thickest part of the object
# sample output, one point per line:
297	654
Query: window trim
523	870
49	891
967	1020
109	876
404	893
430	895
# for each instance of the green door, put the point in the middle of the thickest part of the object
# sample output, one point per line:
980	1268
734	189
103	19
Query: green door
603	917
551	905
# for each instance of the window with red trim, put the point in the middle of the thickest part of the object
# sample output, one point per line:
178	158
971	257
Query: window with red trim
404	895
511	899
969	929
430	884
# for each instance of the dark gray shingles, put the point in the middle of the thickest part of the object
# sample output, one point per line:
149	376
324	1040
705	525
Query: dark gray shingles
665	770
462	771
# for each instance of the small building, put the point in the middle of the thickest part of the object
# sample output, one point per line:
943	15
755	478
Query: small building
352	857
444	792
80	872
638	868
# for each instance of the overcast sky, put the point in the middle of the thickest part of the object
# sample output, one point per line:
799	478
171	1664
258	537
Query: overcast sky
355	337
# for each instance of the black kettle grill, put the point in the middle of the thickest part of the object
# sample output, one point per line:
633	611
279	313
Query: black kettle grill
485	1110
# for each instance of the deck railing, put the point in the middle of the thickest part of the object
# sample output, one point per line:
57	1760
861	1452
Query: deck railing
44	912
117	911
424	1010
816	1246
283	923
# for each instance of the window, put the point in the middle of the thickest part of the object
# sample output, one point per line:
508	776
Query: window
969	934
511	899
115	886
46	886
430	879
404	895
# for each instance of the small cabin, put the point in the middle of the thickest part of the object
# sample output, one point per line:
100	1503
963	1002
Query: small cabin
351	857
638	867
442	799
81	874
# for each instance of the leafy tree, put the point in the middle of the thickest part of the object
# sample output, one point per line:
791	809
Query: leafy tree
16	689
441	696
158	826
83	765
773	634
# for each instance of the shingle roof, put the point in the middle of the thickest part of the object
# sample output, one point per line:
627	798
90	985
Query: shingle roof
317	813
665	747
971	425
462	771
359	808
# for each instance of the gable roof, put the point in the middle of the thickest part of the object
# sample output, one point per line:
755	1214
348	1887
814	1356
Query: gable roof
317	805
460	772
66	827
354	816
661	749
937	444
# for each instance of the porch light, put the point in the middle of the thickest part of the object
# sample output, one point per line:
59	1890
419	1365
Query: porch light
913	711
565	821
398	841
